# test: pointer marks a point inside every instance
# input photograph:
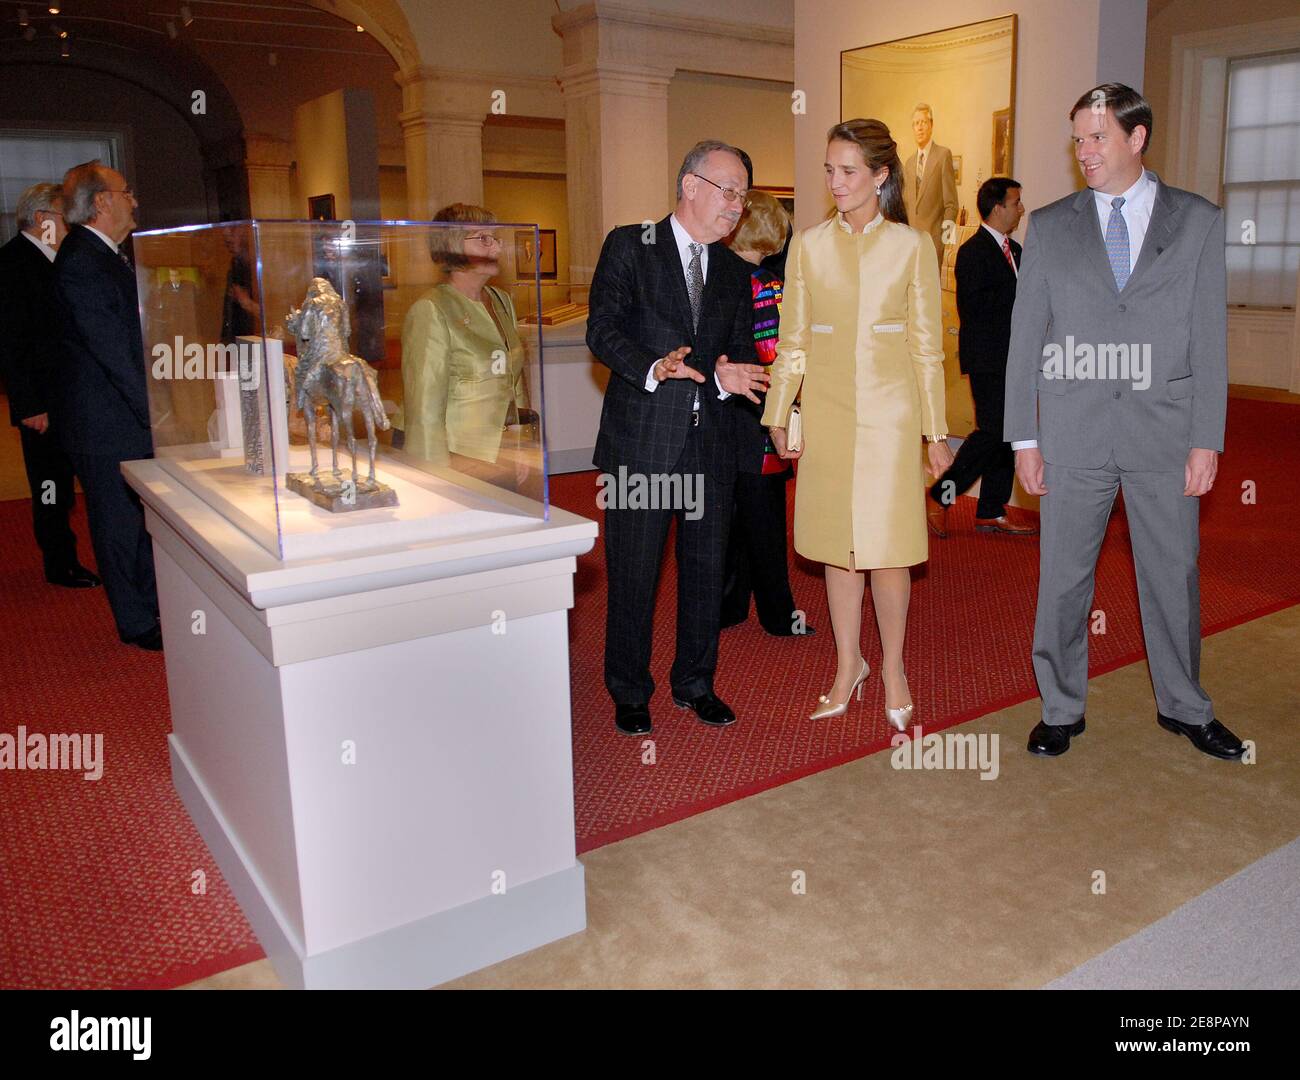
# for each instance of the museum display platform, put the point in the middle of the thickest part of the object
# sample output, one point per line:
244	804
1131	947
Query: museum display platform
376	748
367	650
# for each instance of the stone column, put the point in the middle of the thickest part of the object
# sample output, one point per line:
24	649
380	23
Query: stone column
616	146
269	162
442	125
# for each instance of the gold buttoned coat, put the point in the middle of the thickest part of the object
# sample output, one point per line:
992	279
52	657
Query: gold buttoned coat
860	333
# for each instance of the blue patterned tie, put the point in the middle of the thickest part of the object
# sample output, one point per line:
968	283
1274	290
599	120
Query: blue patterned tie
1117	243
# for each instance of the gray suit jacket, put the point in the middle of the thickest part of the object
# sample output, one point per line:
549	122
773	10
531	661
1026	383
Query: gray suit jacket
1173	309
936	201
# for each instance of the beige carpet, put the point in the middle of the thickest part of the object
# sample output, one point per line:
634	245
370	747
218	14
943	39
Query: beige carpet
940	879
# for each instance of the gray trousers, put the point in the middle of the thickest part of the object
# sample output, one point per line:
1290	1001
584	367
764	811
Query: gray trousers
1164	527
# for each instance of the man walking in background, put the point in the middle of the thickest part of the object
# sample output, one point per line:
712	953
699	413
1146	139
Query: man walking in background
986	270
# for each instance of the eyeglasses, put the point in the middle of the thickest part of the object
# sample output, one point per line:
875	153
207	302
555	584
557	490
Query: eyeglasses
120	191
730	194
485	238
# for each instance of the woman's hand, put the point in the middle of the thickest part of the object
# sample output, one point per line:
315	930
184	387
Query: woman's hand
940	458
778	441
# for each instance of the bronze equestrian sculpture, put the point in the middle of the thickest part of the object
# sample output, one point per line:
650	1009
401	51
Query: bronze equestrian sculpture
327	374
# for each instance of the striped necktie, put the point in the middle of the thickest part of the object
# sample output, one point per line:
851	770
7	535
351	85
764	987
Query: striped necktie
1117	243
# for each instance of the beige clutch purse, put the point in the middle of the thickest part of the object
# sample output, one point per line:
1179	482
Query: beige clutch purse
794	430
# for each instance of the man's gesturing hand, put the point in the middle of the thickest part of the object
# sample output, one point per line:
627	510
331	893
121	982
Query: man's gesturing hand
1202	467
1029	471
674	366
741	378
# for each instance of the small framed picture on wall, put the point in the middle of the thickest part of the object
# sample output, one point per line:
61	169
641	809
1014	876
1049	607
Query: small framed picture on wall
320	207
543	256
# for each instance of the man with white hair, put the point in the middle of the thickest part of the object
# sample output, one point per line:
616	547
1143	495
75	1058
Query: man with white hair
29	345
104	406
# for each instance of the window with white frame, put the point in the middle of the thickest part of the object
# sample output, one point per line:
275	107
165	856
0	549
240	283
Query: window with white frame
34	157
1261	180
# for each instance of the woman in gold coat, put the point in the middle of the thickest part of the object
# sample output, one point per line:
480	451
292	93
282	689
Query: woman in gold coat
463	364
860	331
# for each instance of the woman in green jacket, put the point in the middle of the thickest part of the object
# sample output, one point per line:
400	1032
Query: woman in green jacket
463	364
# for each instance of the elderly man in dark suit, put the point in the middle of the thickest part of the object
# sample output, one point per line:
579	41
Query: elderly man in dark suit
986	270
1117	379
29	343
670	316
103	413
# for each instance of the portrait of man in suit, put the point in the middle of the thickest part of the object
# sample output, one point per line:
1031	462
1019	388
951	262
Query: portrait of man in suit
670	315
103	409
930	184
986	269
1117	380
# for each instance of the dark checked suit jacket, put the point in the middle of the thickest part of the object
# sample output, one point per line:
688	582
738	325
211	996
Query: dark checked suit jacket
28	334
986	293
639	312
102	404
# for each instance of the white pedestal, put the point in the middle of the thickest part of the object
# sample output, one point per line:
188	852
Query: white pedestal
375	747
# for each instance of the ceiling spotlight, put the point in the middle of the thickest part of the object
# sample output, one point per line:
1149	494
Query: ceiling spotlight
22	16
360	29
63	34
66	50
54	9
171	29
187	16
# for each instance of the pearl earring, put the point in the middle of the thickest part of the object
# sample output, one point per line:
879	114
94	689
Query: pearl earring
878	190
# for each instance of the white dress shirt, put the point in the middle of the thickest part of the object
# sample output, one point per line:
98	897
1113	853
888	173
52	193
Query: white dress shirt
46	250
1139	201
684	243
1001	238
106	240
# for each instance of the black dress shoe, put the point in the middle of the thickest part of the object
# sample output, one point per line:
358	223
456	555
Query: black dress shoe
72	577
1053	740
710	708
1212	738
151	639
632	719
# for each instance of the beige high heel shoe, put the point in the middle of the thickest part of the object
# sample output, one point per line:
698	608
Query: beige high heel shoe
900	718
829	711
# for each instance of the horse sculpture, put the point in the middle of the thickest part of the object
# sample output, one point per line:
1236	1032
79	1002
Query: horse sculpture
328	374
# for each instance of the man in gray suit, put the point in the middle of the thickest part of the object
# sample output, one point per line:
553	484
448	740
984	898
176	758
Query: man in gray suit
1117	380
929	183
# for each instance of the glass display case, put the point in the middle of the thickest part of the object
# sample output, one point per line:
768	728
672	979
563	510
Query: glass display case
332	386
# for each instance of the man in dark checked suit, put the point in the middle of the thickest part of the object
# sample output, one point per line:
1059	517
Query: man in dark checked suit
103	408
986	270
1128	269
29	346
669	310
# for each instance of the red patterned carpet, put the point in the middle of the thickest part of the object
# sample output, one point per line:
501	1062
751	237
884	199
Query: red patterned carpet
97	879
